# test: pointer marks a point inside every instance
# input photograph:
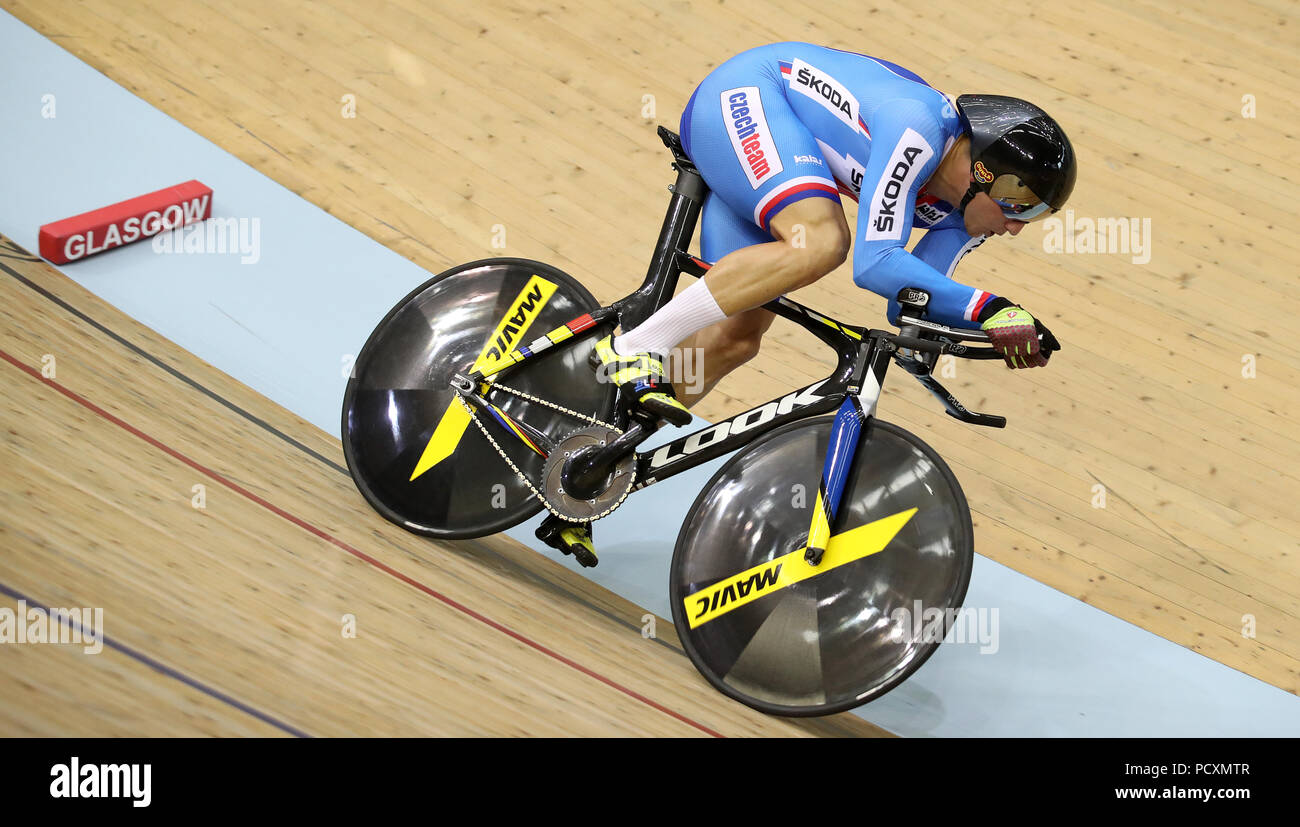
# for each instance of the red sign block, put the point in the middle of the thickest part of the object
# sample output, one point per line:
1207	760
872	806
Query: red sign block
124	222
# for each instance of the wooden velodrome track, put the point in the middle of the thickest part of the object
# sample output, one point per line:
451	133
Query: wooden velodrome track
246	595
536	118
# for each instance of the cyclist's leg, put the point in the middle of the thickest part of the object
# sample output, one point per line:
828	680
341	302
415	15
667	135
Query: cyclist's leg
763	272
717	350
812	239
705	357
763	163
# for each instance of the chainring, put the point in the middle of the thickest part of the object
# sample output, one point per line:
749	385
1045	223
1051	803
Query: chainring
584	511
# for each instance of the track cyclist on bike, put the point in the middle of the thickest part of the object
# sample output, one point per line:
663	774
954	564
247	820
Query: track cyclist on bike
780	133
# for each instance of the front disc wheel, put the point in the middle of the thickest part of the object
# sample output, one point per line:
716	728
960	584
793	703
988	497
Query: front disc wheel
777	634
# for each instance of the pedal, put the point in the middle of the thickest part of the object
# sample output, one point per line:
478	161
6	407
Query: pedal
569	538
577	541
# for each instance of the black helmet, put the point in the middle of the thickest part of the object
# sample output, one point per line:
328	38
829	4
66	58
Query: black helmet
1019	156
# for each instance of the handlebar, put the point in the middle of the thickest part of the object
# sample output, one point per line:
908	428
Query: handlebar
947	340
954	337
916	344
956	334
921	336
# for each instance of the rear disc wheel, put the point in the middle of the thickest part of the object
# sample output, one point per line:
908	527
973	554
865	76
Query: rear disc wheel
400	391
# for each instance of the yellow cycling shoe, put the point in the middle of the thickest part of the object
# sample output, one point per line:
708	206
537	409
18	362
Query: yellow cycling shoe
640	376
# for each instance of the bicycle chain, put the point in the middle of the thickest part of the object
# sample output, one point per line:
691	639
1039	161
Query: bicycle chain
501	452
521	394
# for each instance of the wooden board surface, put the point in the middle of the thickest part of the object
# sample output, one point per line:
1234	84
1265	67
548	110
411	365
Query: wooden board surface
536	122
225	606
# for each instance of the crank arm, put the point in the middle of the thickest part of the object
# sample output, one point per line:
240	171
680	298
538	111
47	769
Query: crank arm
585	473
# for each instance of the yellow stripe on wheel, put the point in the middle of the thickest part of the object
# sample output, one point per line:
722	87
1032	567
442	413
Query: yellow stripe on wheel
496	354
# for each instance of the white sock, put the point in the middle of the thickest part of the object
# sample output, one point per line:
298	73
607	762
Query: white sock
693	309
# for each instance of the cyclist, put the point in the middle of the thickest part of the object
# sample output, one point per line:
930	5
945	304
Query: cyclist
780	133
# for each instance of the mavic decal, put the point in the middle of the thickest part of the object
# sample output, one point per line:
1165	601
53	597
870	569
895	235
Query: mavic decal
767	578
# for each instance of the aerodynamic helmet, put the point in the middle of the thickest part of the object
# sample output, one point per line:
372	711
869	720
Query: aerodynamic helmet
1019	155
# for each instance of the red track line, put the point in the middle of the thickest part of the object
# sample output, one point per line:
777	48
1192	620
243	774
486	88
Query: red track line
360	555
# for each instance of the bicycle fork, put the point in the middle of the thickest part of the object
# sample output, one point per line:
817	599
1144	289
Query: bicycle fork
846	430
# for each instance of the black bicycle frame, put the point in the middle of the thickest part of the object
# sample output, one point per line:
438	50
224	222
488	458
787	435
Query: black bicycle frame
852	389
858	351
862	361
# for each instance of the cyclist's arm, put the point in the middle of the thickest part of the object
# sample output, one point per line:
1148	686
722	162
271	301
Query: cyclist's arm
905	152
942	246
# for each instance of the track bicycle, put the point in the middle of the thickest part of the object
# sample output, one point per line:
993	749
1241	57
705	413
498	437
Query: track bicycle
801	564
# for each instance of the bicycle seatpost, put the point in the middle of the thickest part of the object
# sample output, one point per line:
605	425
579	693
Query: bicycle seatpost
689	191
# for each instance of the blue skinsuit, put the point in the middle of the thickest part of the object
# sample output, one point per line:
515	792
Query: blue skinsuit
789	121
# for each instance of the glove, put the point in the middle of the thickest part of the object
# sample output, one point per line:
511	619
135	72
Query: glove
1013	331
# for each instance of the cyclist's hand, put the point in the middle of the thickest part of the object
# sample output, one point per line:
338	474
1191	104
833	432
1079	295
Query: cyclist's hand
1014	333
